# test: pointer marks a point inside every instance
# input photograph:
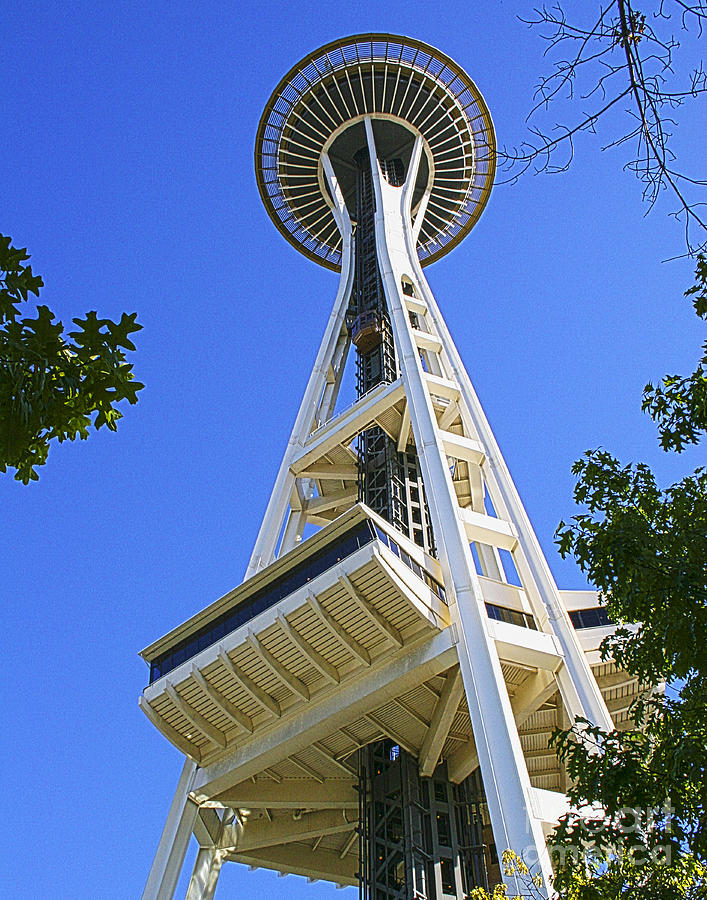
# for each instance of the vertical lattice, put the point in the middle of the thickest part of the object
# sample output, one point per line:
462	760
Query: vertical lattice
470	812
389	482
419	838
394	854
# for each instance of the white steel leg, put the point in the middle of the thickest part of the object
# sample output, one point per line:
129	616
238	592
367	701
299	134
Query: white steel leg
584	698
205	875
266	542
172	848
505	776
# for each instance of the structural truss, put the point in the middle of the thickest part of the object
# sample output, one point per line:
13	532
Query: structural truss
373	705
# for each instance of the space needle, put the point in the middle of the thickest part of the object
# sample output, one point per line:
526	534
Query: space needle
373	704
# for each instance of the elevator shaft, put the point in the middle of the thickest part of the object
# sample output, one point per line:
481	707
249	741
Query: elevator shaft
419	838
389	478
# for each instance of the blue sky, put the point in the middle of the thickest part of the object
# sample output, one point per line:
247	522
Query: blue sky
127	158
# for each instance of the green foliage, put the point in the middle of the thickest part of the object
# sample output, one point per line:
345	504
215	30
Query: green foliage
648	784
54	385
644	549
642	829
634	878
516	869
679	406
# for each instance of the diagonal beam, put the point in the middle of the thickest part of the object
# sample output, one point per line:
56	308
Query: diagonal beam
357	742
328	755
411	711
222	703
358	651
528	698
442	718
289	680
348	844
285	830
198	721
463	761
451	413
391	733
246	682
362	691
330	672
307	769
404	431
531	695
386	628
332	500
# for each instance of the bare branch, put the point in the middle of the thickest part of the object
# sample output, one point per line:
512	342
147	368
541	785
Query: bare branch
623	54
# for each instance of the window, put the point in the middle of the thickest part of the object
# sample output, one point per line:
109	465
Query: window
447	871
596	617
444	835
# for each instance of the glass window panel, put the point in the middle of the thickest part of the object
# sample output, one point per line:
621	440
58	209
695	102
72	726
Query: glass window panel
381	535
444	835
447	872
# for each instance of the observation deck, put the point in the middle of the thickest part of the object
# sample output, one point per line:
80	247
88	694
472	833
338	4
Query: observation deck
338	608
407	88
343	641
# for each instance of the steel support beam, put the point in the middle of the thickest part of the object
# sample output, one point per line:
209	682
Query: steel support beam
207	868
172	848
292	794
442	718
285	829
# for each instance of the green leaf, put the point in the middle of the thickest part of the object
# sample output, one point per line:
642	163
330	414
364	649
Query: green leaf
54	386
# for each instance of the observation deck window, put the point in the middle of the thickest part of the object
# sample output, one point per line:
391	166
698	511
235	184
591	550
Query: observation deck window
511	616
263	599
325	558
595	617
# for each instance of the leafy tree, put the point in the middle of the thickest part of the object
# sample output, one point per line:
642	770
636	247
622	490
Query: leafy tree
641	833
54	385
644	548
